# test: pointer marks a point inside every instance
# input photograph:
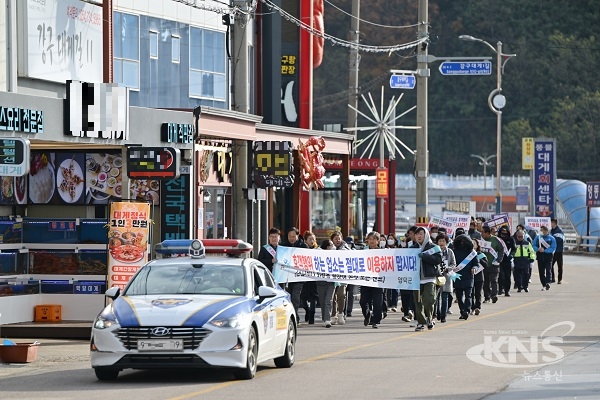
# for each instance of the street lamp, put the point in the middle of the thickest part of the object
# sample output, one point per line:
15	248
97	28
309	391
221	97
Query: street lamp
485	161
496	101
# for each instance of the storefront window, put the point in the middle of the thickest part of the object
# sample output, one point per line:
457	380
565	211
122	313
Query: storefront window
215	223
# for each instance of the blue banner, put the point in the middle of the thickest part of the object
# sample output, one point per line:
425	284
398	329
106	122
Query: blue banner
544	175
384	268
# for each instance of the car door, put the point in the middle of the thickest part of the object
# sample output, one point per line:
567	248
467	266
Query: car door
266	312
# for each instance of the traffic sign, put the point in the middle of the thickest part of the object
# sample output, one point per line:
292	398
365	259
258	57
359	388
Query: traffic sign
592	194
402	81
466	68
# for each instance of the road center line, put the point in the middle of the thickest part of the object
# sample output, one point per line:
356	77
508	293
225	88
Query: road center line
353	348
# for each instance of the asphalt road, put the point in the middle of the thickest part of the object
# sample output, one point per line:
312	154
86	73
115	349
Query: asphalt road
516	337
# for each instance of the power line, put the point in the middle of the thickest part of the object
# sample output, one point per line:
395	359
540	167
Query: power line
341	42
369	22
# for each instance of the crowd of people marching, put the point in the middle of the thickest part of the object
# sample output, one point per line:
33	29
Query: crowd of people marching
491	263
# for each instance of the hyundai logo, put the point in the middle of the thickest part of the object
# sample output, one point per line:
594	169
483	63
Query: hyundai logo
161	331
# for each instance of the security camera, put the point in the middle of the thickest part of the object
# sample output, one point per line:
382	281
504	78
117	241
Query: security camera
228	19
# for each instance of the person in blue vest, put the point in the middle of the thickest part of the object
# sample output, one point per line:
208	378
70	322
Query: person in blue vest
544	245
557	258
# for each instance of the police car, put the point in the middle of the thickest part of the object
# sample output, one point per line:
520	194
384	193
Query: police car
196	312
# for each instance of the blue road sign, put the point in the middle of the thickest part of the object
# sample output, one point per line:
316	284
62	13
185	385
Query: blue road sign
466	68
403	81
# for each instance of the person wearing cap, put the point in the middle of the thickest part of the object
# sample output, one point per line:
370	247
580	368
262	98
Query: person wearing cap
544	246
424	298
523	257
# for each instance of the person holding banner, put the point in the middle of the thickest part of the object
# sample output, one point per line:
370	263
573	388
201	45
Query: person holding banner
339	298
325	291
524	255
464	271
372	297
431	259
544	245
406	296
494	251
295	288
268	253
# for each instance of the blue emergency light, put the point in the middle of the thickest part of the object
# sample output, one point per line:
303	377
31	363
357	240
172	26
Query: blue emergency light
192	247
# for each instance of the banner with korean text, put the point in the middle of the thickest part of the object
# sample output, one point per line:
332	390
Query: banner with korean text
384	268
129	229
537	222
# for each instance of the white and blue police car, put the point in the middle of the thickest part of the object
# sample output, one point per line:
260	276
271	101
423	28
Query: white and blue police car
196	312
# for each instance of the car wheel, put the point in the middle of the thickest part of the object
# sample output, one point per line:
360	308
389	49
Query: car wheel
288	358
251	357
106	374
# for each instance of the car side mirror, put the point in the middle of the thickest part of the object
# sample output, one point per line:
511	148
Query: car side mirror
113	292
266	292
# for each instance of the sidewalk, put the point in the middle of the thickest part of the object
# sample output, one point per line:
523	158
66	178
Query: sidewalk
52	353
575	377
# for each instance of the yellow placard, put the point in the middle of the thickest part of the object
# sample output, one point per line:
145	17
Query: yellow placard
528	153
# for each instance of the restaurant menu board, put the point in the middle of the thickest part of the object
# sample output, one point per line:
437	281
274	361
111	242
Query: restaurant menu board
129	228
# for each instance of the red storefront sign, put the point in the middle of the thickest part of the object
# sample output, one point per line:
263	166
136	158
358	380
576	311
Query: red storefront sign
381	183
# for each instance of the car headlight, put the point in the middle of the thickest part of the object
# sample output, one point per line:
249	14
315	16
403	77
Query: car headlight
232	322
106	319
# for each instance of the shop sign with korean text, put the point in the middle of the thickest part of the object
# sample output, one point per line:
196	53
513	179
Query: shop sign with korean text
544	177
175	221
128	233
382	183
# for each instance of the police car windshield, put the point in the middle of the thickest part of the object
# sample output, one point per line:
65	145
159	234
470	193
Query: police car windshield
211	279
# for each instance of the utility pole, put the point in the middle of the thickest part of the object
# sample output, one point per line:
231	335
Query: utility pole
422	156
243	210
353	64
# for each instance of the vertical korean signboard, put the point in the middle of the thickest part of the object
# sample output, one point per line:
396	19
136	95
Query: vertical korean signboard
381	183
544	175
175	210
129	229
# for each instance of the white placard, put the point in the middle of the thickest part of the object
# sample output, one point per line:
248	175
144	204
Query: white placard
64	41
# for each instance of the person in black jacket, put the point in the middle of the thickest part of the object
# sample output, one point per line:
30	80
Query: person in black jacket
268	253
466	265
506	265
478	279
431	259
295	288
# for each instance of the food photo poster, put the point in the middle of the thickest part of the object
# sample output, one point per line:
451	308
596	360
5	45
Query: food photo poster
69	178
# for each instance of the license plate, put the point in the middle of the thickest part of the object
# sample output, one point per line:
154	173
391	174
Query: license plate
160	345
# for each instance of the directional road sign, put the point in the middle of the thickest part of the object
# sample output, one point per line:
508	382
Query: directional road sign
403	81
466	68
